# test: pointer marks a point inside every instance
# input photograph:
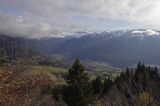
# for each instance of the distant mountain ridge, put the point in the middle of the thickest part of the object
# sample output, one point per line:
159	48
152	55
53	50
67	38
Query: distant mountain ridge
119	48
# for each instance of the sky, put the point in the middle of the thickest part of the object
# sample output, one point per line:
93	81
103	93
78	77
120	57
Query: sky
44	18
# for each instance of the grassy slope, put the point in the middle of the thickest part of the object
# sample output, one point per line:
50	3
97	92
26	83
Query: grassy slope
53	70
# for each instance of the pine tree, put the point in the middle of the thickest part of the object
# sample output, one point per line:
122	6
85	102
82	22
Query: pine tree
107	85
153	73
97	86
78	92
141	76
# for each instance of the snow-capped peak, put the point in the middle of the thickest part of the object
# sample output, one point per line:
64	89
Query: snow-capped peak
148	32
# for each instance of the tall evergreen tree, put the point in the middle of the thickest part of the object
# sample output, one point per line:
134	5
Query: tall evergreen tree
141	76
78	92
97	86
107	85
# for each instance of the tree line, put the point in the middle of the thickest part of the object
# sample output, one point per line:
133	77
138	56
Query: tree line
133	87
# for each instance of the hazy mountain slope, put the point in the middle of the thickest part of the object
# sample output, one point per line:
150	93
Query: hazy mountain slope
116	48
13	47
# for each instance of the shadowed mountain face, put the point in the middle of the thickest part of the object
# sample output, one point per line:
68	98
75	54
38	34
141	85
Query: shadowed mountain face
118	48
14	47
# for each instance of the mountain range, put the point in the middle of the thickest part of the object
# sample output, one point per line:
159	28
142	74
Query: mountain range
118	48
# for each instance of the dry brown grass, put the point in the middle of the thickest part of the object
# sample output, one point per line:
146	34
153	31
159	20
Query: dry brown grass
20	88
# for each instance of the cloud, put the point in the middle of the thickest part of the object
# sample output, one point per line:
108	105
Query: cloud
41	18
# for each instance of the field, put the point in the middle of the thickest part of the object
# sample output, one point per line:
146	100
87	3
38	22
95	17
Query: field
50	69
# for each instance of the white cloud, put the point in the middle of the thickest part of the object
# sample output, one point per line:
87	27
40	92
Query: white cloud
40	18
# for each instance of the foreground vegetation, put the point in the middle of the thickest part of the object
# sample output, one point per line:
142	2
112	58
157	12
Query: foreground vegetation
22	84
